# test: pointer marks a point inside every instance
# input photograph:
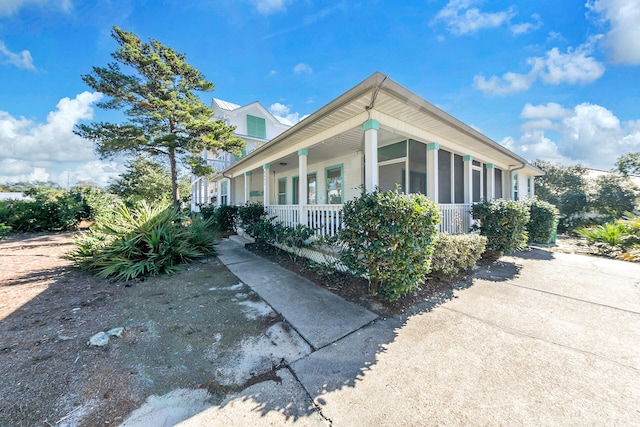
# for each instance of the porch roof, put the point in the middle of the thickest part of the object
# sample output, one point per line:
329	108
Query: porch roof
335	129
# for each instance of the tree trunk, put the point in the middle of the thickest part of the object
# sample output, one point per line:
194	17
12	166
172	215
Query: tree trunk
175	194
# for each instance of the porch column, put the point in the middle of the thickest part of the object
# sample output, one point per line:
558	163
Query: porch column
219	193
266	178
247	187
370	128
468	179
302	184
206	198
432	171
491	181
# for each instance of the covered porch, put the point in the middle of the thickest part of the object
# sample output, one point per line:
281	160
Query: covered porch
380	136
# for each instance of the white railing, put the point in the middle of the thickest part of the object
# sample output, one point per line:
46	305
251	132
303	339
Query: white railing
455	218
326	220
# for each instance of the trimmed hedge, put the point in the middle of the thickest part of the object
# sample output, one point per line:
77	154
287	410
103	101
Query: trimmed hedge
542	222
453	254
504	222
388	237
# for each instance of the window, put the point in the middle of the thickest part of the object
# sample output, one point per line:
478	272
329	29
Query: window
417	167
334	184
282	191
256	127
224	192
529	186
311	189
477	191
515	178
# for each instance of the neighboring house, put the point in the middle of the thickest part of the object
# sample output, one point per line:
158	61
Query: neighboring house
255	124
376	135
13	196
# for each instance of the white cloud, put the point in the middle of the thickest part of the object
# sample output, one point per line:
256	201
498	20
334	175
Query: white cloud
302	68
551	110
505	85
9	7
587	133
623	39
271	74
574	66
48	150
460	18
282	111
268	7
527	27
20	60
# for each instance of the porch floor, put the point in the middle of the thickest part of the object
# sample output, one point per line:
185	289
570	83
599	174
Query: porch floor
318	315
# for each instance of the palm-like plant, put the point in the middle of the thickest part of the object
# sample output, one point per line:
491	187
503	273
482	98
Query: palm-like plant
144	240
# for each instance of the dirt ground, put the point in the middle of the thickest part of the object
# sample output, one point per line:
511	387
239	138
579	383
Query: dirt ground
200	328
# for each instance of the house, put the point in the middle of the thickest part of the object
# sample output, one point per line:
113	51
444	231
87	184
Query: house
376	135
254	124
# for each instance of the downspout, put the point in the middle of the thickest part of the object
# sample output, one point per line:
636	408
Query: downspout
511	178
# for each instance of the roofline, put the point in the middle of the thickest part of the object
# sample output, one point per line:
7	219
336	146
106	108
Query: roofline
392	88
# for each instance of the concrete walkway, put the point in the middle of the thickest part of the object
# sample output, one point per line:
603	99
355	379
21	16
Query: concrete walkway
535	339
319	316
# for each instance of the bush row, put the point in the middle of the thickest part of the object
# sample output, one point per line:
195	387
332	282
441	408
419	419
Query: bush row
55	209
509	225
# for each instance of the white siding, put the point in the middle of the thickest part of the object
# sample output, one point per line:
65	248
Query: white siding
351	175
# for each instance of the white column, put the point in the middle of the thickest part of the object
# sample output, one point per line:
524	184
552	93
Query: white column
302	183
266	179
432	171
370	128
247	187
491	181
468	179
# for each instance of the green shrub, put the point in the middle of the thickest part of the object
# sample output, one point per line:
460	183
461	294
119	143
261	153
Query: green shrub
267	231
4	230
250	214
610	239
224	217
141	241
388	237
504	222
542	221
453	254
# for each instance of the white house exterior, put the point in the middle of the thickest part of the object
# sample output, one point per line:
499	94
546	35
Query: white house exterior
254	124
376	135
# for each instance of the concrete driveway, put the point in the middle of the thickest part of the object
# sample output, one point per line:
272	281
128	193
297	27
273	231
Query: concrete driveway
539	338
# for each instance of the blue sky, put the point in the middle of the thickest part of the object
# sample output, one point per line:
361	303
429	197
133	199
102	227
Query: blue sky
552	80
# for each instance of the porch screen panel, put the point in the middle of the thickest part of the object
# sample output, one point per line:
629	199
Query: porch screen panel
476	186
393	151
458	171
498	183
444	176
485	191
295	183
417	167
390	175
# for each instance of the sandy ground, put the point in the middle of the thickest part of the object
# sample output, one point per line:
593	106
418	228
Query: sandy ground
200	329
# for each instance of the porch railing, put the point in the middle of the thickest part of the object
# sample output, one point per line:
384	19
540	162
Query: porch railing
326	220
